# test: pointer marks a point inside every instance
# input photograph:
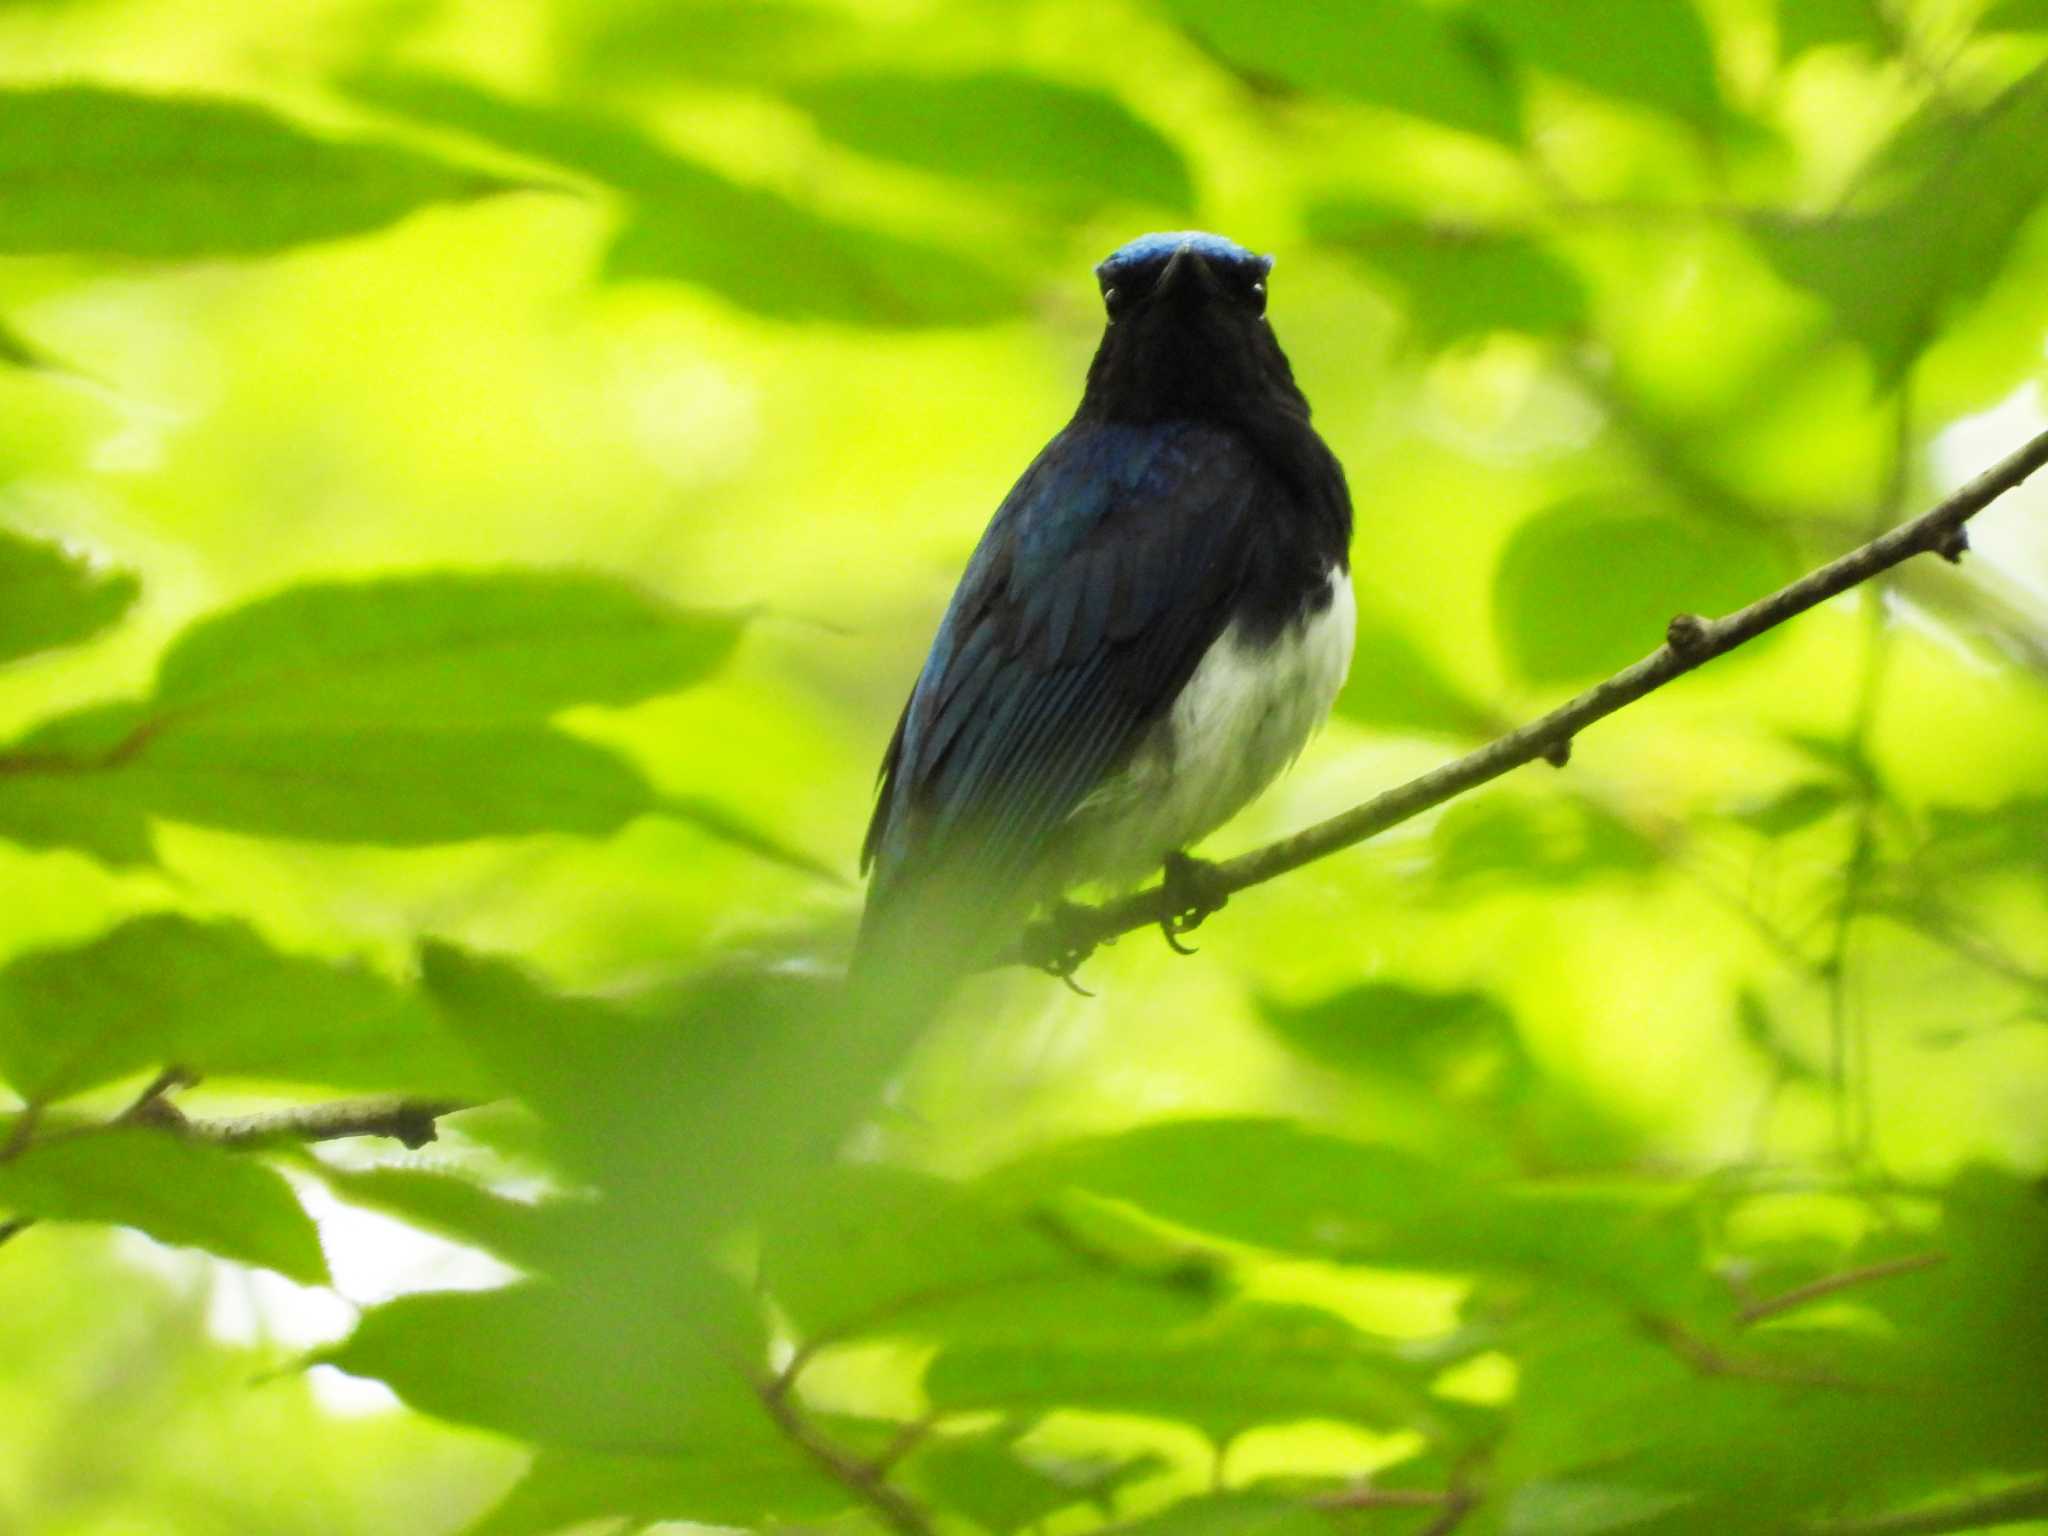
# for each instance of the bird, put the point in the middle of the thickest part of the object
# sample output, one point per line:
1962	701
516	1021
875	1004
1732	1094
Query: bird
1157	618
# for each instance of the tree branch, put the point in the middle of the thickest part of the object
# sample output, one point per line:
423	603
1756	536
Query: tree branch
1829	1285
410	1121
1690	643
866	1480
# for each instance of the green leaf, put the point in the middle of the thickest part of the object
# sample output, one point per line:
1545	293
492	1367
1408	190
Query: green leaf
1393	53
752	1484
178	1191
746	42
875	1251
1794	808
1393	685
1456	281
534	1236
1505	841
1442	1045
1276	1185
1231	1514
89	168
1582	1509
1804	25
1254	1365
1655	53
51	597
1588	584
1892	276
438	650
216	999
403	711
1002	126
2015	16
399	788
998	1486
690	224
66	810
600	1366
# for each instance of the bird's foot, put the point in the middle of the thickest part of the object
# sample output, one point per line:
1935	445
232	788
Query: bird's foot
1060	944
1193	890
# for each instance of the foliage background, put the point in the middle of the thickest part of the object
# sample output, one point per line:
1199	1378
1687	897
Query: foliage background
682	351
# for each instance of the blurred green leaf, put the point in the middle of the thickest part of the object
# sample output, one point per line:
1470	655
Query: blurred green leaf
1393	53
93	169
1804	25
690	224
1583	1509
215	999
1253	1365
876	1251
1891	276
403	711
600	1366
741	42
998	1486
1231	1514
1441	1042
2015	16
1794	808
1394	685
1510	842
1277	1185
757	1484
50	597
1006	127
1455	281
178	1191
438	649
1588	584
533	1235
1655	53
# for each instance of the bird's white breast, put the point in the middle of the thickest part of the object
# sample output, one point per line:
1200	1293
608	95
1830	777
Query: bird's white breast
1244	716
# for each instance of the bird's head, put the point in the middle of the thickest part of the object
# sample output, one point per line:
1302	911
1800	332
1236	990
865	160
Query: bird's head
1187	333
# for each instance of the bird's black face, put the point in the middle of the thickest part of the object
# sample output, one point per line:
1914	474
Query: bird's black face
1187	334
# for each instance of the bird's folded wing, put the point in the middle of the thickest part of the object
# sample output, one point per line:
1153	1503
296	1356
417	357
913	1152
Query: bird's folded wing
1104	578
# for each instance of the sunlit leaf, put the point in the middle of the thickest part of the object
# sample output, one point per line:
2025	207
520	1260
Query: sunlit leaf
532	1235
1891	275
1506	842
997	1485
1454	281
1231	1514
1393	53
51	597
1003	126
439	649
690	224
1653	52
1794	808
90	168
751	1484
1588	584
178	1191
2015	16
215	999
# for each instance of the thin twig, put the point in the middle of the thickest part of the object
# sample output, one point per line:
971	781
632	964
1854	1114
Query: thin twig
864	1479
411	1121
1691	642
1830	1285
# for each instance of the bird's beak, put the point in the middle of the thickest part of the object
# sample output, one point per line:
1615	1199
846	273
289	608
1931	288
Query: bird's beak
1185	266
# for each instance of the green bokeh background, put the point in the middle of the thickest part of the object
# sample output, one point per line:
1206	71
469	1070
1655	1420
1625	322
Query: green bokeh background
1609	311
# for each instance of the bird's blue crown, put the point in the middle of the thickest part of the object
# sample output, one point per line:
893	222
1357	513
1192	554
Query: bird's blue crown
1157	249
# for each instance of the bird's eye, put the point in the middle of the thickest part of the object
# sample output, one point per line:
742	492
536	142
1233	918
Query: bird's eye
1112	301
1257	295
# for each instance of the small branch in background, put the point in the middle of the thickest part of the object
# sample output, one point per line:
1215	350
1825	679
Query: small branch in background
868	1481
410	1121
1708	1359
1691	642
1831	1285
2009	1506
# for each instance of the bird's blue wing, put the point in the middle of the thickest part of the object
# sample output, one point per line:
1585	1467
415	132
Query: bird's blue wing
1103	579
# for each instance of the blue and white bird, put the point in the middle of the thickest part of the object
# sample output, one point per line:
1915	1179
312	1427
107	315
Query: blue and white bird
1157	618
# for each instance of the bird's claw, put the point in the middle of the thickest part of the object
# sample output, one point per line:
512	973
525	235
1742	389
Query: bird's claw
1193	891
1064	945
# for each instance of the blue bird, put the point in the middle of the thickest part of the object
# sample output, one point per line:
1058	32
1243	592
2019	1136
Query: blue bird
1155	621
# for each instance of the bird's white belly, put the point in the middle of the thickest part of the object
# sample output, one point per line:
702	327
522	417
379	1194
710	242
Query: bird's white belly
1244	716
